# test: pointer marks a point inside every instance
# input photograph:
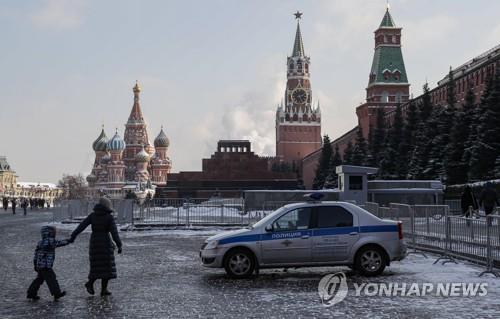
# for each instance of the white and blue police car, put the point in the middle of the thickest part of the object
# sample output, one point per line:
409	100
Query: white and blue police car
312	233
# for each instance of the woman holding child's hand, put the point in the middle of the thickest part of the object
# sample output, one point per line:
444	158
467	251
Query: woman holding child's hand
101	248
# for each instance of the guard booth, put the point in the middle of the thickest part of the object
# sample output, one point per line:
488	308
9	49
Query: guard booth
353	182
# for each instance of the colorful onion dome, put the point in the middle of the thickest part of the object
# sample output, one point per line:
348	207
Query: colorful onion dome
116	143
101	142
142	156
162	140
91	178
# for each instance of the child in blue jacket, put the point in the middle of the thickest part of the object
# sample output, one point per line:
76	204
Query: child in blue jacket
43	262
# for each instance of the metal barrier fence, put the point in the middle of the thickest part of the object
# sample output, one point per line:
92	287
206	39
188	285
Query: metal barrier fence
372	207
433	228
75	210
403	213
427	227
194	211
164	211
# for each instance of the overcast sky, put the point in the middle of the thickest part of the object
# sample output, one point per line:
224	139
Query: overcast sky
209	70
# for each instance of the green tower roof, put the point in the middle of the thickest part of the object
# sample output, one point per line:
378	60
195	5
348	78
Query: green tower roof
387	21
388	58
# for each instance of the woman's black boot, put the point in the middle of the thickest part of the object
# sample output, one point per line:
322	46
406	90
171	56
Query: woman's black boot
104	288
90	287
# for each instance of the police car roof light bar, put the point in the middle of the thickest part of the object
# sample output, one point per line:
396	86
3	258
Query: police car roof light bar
314	196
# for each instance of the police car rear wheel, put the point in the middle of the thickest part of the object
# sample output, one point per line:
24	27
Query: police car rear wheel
239	263
370	261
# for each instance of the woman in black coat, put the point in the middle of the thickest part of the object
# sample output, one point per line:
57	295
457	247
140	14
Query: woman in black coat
101	248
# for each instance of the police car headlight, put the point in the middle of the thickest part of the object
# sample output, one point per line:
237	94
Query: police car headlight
212	244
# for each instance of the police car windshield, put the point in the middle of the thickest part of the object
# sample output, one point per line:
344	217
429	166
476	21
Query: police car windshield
264	220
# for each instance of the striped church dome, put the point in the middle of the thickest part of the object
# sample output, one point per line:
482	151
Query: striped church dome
101	142
162	140
116	143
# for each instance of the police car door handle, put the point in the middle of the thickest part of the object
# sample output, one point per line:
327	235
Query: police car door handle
353	233
304	236
286	242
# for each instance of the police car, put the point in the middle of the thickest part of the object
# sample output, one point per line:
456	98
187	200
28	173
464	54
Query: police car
313	233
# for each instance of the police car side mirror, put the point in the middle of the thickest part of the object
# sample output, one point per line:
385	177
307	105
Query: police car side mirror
269	228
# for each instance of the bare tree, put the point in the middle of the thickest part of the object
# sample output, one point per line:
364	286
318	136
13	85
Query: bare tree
74	186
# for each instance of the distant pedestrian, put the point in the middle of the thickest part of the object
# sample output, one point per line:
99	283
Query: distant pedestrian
488	199
101	248
5	203
43	262
467	202
24	205
14	204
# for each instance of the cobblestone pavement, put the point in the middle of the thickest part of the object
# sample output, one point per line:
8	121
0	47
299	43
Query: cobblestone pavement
160	276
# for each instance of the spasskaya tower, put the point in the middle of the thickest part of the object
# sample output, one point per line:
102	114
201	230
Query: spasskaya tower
298	123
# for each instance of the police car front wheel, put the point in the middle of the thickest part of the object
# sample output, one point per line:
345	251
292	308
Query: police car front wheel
239	263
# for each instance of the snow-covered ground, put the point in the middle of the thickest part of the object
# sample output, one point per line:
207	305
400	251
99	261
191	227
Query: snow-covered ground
160	276
417	269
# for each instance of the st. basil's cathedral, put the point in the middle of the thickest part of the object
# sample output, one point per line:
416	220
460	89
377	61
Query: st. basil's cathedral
130	163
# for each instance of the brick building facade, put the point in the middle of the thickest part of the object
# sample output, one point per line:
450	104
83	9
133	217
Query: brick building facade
473	73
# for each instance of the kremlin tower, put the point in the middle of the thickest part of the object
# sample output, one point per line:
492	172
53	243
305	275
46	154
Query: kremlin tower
388	83
298	123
